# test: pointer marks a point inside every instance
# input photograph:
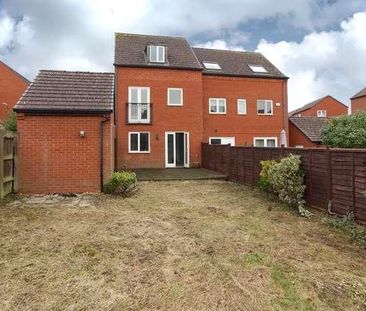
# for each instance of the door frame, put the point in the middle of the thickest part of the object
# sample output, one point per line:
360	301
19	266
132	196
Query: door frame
186	149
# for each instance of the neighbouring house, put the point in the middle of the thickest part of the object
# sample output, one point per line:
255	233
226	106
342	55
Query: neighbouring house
65	132
171	97
305	131
326	106
358	101
12	86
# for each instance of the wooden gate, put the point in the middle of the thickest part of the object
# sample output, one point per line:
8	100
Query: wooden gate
8	160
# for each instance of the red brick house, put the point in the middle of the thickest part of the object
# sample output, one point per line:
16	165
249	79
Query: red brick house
65	132
12	86
305	123
358	101
171	97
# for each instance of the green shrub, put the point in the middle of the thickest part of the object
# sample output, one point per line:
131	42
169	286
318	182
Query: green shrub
10	124
121	183
348	225
287	181
263	182
347	131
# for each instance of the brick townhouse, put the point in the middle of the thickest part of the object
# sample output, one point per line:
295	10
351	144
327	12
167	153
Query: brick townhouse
171	97
306	123
358	101
12	86
164	99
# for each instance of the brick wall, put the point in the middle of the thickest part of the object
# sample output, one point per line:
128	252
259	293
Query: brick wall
12	86
330	104
244	127
55	159
165	118
358	104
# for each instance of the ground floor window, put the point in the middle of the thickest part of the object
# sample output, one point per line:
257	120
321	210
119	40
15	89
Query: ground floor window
265	141
138	142
222	141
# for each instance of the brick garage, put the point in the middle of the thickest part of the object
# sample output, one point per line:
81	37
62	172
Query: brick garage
64	119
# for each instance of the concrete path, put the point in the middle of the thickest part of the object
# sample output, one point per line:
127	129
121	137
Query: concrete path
177	174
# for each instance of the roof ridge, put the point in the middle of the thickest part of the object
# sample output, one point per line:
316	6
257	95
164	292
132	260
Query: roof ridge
147	35
75	71
231	51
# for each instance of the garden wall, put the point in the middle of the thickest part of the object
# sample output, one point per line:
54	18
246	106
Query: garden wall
331	175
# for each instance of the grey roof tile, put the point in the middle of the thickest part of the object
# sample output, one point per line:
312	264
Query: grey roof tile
236	63
69	91
310	126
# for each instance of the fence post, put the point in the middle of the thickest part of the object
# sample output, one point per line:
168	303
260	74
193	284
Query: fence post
15	164
329	169
2	135
353	184
252	166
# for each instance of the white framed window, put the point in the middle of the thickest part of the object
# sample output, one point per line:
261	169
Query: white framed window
217	105
222	141
258	68
211	65
321	113
265	142
175	97
138	104
138	142
157	53
299	146
242	106
264	107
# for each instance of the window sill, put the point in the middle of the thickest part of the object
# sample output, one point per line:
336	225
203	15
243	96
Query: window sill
138	123
143	152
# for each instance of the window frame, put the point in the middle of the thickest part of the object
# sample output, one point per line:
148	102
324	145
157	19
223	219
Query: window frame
265	138
265	113
157	46
139	120
245	106
321	112
253	68
138	142
222	137
181	96
207	63
217	106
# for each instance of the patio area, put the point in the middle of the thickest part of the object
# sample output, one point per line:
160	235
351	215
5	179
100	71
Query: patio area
177	174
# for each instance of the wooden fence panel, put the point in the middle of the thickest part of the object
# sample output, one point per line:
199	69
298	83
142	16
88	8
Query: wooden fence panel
336	176
8	167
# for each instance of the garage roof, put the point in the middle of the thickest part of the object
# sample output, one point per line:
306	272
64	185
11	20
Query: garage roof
55	91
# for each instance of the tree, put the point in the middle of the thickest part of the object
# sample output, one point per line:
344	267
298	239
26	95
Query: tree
345	131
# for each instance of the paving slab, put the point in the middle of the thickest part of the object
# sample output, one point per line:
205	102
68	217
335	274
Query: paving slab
177	174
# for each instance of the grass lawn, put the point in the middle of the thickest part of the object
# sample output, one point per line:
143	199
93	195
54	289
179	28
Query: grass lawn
179	245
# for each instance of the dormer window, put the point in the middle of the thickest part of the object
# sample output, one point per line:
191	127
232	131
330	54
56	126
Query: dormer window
257	68
211	65
157	53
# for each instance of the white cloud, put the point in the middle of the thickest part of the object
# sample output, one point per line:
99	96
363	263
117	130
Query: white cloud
219	44
323	62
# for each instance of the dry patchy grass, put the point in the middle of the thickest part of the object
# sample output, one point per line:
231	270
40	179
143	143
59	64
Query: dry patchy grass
179	246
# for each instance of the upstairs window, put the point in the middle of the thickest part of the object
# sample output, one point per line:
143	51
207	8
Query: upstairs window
258	68
264	107
242	106
157	53
211	65
217	106
321	113
175	97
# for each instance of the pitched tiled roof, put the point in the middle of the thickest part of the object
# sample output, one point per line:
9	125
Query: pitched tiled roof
310	126
236	63
130	50
68	91
312	104
361	93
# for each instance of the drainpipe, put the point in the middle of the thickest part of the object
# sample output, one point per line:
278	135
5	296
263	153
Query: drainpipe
101	140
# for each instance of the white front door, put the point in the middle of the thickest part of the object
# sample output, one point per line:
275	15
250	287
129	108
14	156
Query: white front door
176	149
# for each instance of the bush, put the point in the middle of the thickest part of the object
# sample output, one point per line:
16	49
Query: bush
264	183
121	183
287	181
10	124
345	131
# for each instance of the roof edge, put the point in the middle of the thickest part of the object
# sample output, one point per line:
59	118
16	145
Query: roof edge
16	72
62	111
244	76
158	67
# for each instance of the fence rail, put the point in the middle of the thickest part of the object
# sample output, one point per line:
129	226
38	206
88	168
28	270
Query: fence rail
332	176
8	163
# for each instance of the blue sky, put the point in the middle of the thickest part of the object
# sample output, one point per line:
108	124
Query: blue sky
319	44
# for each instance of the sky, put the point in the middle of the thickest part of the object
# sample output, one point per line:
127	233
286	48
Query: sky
319	44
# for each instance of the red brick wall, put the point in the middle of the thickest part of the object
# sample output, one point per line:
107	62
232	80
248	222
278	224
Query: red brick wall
298	138
358	104
244	127
55	159
186	118
12	86
330	104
